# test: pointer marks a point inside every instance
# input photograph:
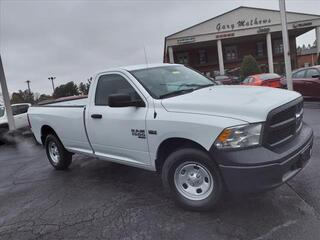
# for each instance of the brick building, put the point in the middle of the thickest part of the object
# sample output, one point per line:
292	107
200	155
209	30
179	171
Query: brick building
306	57
218	45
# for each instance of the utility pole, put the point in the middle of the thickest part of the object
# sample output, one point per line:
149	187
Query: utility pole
51	79
6	98
28	82
286	46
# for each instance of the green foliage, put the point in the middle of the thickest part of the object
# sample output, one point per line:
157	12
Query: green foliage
22	97
84	87
44	97
65	90
249	66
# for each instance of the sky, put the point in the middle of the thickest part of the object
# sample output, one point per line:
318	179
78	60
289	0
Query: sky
72	40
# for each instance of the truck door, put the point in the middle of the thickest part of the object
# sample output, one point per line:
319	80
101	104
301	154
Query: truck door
312	83
117	133
298	82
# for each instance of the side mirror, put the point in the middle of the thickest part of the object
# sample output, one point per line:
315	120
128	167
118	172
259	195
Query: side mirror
316	76
124	100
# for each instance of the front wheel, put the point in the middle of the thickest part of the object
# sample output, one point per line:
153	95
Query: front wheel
58	156
193	179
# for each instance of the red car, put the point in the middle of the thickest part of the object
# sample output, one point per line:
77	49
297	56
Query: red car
306	81
264	79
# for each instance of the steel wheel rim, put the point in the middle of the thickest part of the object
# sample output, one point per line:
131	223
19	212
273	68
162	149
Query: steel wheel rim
193	181
54	152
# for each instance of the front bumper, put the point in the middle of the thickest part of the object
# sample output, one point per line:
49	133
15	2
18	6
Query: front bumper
259	169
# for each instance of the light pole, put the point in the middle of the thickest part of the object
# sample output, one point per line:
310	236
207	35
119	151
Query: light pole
6	98
285	40
28	82
51	79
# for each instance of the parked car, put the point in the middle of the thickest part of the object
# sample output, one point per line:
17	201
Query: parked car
264	79
226	80
201	137
306	81
19	112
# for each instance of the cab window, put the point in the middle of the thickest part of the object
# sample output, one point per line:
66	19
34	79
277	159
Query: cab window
246	80
113	84
1	111
312	72
19	109
299	74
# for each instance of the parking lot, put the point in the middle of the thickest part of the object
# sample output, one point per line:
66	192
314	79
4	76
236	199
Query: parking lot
100	200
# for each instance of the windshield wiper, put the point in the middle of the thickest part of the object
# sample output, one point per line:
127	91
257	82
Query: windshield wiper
175	93
197	86
204	86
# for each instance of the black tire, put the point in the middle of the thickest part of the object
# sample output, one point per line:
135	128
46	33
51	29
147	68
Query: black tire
65	158
3	131
185	156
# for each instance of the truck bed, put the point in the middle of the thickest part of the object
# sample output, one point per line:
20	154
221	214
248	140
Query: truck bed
66	118
66	101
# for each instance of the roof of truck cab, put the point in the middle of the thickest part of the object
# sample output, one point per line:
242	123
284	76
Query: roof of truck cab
139	67
145	66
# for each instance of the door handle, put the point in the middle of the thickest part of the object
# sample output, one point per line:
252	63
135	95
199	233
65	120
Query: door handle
96	116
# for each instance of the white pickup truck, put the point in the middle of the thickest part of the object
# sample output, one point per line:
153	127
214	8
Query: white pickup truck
19	112
201	137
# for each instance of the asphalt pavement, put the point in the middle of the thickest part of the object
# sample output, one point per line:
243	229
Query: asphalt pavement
100	200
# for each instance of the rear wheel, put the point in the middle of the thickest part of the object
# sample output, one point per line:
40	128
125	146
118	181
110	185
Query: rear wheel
58	156
193	179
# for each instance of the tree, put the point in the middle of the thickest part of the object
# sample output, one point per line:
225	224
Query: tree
65	90
249	66
84	87
44	97
22	97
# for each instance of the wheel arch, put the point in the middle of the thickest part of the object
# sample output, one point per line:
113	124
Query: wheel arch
169	145
45	131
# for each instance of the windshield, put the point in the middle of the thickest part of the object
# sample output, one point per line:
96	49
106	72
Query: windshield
1	111
168	81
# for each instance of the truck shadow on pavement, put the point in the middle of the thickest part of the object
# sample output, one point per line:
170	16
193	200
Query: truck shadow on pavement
99	199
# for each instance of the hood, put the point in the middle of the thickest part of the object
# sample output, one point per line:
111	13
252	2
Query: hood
246	103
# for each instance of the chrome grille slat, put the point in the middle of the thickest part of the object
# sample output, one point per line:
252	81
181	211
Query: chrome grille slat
283	123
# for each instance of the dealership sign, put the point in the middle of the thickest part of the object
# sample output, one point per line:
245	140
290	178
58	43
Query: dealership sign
300	25
186	40
243	24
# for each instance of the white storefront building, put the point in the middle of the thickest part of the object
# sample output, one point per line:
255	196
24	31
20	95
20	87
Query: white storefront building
220	43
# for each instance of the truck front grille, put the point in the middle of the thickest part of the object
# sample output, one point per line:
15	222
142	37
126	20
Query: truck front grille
283	123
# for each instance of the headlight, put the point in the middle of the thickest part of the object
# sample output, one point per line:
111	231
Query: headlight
239	137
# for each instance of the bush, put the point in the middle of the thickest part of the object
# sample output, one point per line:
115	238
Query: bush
249	66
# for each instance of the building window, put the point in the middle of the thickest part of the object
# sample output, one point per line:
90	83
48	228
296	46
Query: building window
203	57
231	53
183	58
278	47
260	49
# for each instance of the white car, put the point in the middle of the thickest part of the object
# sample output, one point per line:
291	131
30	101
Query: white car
201	137
19	114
